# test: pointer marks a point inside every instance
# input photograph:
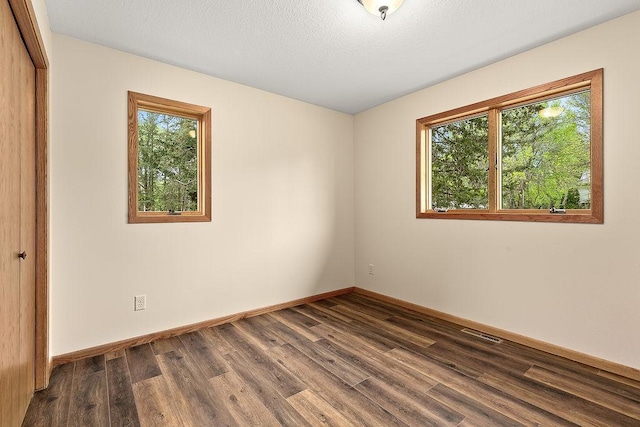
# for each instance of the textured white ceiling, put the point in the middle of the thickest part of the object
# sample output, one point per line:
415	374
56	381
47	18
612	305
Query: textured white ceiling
332	52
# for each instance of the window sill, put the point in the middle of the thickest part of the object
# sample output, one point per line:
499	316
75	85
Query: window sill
163	217
581	217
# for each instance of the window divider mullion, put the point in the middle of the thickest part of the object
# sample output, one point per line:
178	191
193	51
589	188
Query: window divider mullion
492	159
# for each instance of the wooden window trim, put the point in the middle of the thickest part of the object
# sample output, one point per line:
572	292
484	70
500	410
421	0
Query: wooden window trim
592	80
168	106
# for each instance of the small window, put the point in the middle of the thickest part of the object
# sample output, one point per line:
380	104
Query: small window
534	155
169	160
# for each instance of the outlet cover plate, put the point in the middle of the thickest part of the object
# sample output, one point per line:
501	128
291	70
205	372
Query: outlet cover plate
140	302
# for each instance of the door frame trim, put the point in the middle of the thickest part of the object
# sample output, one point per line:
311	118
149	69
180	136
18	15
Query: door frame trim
25	17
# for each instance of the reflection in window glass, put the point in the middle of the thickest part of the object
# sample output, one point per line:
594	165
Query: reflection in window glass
167	162
546	154
459	163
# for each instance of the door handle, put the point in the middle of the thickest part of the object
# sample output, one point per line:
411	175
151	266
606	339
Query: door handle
22	255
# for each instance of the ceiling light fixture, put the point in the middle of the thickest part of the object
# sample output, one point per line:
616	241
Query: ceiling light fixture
381	7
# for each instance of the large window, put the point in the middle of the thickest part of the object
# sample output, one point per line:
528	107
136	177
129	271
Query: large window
169	160
533	155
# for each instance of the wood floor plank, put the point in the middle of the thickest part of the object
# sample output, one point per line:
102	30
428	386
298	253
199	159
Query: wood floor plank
428	326
114	355
465	366
470	422
142	363
50	407
546	360
317	411
282	380
565	405
297	322
365	334
122	408
349	402
208	360
344	370
597	383
404	313
578	388
325	302
382	306
260	332
90	365
399	378
348	347
356	339
426	412
265	392
441	350
477	360
439	332
383	327
262	320
383	332
89	400
475	413
494	398
218	343
619	380
467	352
363	309
196	404
154	403
329	313
166	345
245	408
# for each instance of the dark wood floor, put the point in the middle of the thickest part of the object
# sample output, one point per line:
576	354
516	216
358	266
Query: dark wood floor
344	361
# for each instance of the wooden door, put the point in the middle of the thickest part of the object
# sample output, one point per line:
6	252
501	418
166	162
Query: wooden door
17	222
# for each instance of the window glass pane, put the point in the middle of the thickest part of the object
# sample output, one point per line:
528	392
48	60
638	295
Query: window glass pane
546	154
167	162
459	164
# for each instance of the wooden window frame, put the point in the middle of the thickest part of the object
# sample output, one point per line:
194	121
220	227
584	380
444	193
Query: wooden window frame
592	80
167	106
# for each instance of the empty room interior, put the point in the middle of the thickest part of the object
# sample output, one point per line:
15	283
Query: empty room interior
375	212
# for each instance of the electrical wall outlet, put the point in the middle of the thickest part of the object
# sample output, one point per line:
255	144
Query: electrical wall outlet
371	269
140	302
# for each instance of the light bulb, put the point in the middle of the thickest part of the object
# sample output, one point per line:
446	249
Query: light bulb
381	7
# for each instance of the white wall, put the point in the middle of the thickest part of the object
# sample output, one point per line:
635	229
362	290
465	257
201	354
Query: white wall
577	286
282	224
40	9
